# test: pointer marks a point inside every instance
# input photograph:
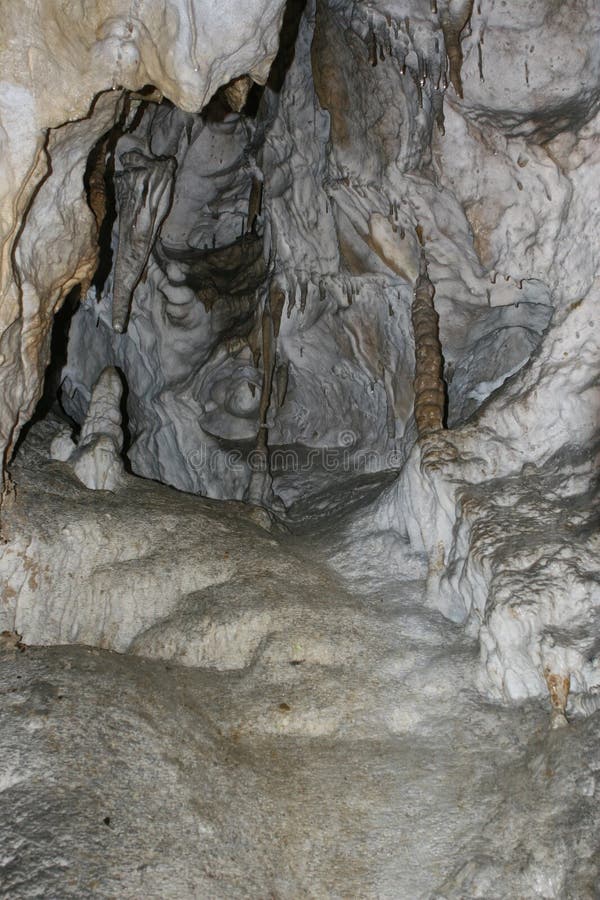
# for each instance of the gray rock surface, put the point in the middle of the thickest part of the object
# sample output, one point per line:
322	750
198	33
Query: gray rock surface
284	733
354	688
64	68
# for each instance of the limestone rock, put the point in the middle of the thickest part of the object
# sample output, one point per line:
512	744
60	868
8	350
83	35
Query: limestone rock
63	65
97	458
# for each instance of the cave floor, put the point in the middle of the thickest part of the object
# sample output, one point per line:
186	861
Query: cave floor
344	752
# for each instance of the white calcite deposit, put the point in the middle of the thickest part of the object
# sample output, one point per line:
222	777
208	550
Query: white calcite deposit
348	190
300	547
97	458
260	708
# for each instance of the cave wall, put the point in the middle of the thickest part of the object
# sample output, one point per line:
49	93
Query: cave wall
349	154
366	175
343	356
503	503
56	60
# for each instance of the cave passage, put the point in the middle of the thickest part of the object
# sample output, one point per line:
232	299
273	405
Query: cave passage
299	411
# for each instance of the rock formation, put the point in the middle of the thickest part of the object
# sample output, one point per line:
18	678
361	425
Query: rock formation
97	459
54	108
322	278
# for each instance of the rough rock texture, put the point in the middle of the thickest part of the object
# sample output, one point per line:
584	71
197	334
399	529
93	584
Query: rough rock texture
106	572
272	270
506	509
276	714
293	733
57	60
543	424
357	169
533	69
334	195
505	505
193	353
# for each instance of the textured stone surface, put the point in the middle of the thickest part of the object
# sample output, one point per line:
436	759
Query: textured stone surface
107	571
56	60
490	501
291	715
192	355
294	734
349	189
533	69
506	509
346	191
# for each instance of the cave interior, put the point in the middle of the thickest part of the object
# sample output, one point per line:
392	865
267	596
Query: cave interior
299	360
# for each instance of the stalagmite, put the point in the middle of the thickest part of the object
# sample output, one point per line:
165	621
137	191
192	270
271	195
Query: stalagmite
429	384
96	459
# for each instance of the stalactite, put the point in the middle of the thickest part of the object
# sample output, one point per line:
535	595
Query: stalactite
99	178
385	37
454	18
143	191
428	384
236	92
303	295
281	382
277	300
260	489
254	202
437	106
97	181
